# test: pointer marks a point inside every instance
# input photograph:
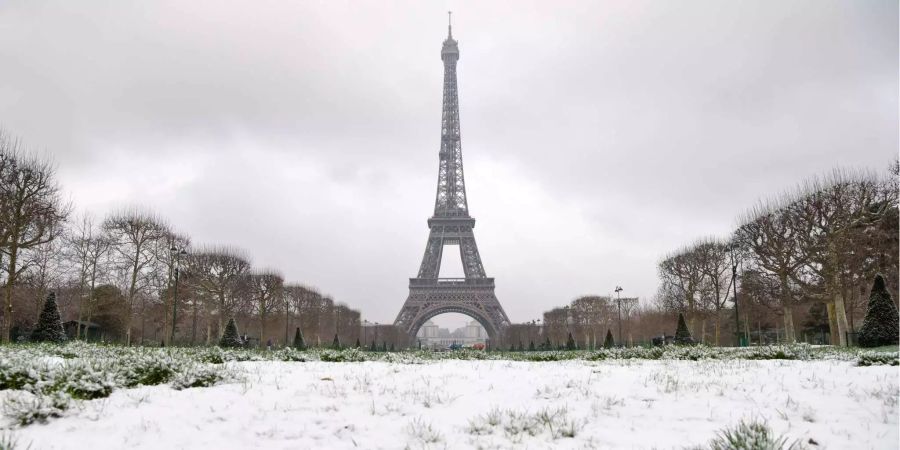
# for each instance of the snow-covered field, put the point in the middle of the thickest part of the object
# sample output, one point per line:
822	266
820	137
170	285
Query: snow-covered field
491	404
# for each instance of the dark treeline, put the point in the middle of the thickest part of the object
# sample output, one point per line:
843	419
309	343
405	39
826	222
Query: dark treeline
115	278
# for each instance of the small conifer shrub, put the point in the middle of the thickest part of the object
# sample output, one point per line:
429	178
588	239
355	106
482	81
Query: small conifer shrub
49	327
609	342
880	327
682	335
298	340
570	343
230	336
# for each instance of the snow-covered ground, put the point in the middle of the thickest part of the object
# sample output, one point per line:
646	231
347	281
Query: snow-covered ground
491	404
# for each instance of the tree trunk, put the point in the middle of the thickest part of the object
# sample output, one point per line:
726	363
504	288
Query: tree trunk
786	304
131	292
10	279
719	327
195	311
840	314
832	323
789	335
220	324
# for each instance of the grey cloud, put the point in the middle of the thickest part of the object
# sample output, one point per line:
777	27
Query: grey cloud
597	135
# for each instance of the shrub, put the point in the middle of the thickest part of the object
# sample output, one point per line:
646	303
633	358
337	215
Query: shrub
230	337
149	370
49	327
85	380
880	327
877	359
298	340
26	408
16	373
609	342
346	355
751	436
570	342
682	334
198	376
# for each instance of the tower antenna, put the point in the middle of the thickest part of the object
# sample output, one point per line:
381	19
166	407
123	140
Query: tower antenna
450	23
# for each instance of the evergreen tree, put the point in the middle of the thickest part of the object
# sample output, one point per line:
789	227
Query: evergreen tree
682	335
383	346
392	346
372	347
570	343
547	344
880	327
298	340
531	346
609	342
336	343
49	327
357	342
230	336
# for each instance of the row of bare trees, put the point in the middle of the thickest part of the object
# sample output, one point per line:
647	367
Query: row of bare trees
587	319
117	278
821	244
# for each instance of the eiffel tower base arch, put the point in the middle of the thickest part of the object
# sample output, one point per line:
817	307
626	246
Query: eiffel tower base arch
471	297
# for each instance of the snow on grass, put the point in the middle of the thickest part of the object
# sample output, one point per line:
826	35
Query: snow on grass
627	403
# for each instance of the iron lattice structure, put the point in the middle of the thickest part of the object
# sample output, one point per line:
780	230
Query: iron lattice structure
430	295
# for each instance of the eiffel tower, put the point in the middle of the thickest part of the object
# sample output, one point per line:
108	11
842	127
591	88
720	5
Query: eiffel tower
451	224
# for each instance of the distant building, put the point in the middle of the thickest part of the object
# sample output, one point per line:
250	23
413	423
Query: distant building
432	336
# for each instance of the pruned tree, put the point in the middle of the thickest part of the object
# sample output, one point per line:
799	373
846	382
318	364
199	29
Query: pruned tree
836	213
880	326
714	265
680	283
771	235
86	249
31	211
266	289
134	235
230	337
682	334
49	326
217	272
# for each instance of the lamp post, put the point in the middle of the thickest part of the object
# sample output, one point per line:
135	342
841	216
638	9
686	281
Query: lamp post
176	253
730	248
619	302
365	340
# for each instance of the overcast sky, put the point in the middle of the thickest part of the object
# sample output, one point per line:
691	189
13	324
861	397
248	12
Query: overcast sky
597	136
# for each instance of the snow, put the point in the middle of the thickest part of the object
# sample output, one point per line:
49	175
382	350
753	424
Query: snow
451	404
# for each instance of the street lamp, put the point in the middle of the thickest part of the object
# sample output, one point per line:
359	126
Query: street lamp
365	326
177	254
619	301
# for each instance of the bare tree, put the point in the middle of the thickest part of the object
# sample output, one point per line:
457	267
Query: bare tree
681	281
772	235
714	265
31	211
835	212
217	272
133	235
266	289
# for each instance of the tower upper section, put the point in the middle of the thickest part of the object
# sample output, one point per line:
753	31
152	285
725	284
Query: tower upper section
451	189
